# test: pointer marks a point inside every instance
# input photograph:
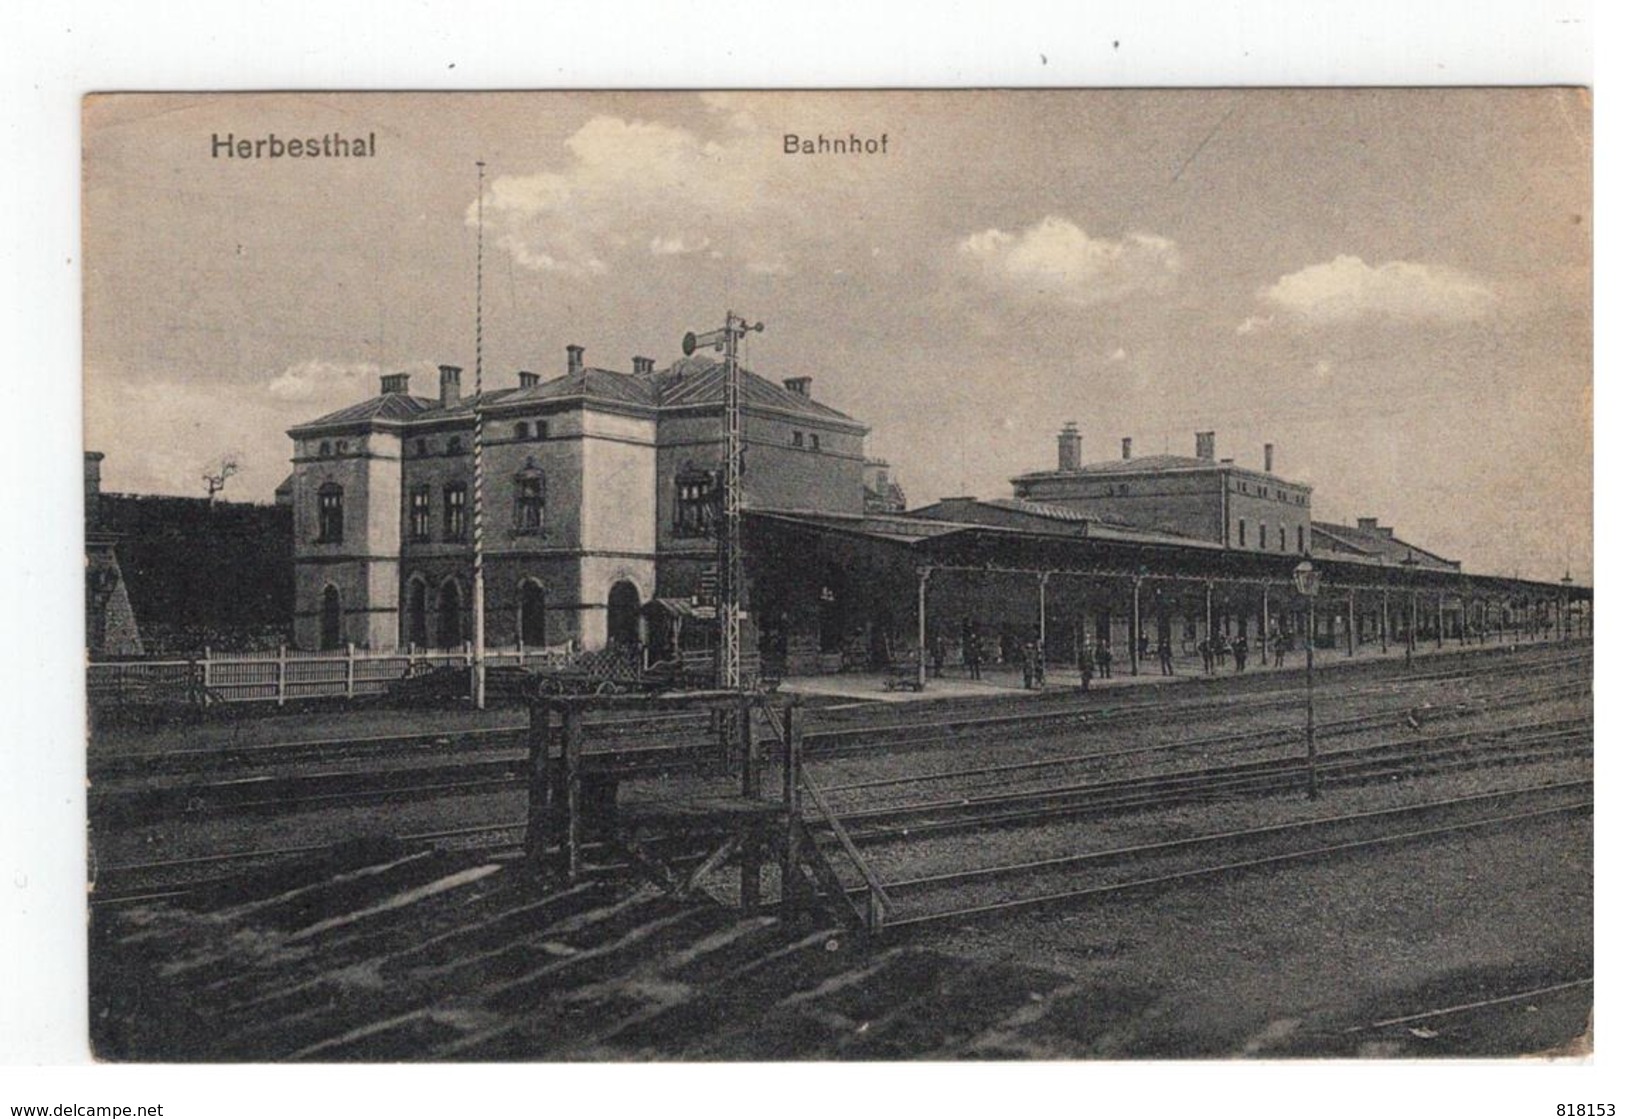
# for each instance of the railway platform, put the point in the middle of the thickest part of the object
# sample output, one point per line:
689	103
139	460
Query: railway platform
1002	680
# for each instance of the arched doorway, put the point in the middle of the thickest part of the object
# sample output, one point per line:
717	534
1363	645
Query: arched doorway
623	613
532	614
332	618
417	613
449	616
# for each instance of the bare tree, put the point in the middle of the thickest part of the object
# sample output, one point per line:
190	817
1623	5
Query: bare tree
216	473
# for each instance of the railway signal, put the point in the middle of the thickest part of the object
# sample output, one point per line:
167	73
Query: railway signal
730	560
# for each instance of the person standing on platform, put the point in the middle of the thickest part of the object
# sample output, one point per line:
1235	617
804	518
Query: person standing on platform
1241	653
1038	658
1086	666
1103	659
1165	655
939	653
973	651
1280	648
1205	648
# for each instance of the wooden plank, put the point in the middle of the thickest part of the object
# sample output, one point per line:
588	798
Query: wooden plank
572	791
538	740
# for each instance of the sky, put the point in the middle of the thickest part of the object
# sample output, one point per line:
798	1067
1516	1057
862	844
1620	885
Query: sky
1392	286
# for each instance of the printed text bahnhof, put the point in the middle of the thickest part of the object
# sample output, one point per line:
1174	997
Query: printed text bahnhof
331	146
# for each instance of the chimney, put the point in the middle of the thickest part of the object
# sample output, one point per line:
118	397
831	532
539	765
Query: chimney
643	366
1269	458
1070	445
1128	447
1204	445
451	385
1366	524
572	360
529	380
393	383
93	488
801	386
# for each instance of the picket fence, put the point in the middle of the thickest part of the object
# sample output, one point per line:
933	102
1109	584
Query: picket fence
281	675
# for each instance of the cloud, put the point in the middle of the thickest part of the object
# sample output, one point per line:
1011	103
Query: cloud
1347	289
634	189
1056	261
325	380
1252	324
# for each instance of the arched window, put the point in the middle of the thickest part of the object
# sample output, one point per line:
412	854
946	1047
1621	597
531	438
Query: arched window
330	514
532	614
623	613
417	613
456	518
332	618
449	616
694	511
529	499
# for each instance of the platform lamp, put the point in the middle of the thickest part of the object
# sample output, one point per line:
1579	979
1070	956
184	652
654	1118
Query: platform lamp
1307	580
1565	623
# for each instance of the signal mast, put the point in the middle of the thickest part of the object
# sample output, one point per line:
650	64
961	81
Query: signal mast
730	557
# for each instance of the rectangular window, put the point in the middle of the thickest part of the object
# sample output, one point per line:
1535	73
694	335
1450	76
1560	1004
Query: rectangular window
795	439
1263	537
456	520
695	510
815	440
330	514
1300	538
1241	533
418	515
1283	538
527	503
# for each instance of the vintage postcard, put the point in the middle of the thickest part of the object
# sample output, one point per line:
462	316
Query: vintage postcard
610	576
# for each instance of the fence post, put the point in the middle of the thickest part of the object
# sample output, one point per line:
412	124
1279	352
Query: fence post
790	873
572	790
349	670
281	675
208	681
538	809
468	654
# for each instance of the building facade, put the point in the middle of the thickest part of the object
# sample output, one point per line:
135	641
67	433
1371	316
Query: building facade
601	495
1201	497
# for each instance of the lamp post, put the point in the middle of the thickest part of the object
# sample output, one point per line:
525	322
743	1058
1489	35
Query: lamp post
1563	621
1307	580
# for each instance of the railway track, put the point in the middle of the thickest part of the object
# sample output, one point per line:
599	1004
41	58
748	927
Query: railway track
874	726
1383	762
989	891
115	805
1386	761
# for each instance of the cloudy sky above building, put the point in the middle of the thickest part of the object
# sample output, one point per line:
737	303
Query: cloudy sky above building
1393	287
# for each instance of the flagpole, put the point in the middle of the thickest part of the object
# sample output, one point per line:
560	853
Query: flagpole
477	684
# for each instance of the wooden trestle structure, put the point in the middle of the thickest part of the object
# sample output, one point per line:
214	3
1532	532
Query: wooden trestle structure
678	842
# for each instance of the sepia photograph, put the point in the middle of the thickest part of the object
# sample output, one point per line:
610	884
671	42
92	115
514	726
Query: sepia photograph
841	576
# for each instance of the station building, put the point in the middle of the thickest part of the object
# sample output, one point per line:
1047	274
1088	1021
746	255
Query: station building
600	515
600	497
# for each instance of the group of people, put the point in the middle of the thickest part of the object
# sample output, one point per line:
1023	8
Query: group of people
1218	648
1095	658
